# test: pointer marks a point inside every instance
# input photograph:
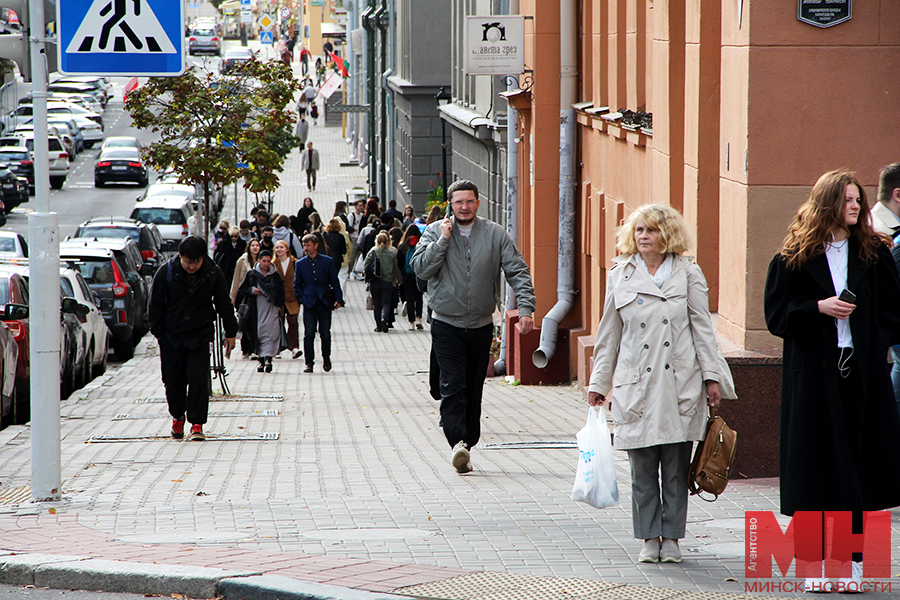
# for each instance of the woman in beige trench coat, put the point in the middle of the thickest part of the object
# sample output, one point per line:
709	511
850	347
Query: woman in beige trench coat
655	368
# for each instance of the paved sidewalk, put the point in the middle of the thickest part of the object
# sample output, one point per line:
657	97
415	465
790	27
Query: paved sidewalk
344	478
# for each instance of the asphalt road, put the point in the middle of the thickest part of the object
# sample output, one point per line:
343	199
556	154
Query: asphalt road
7	592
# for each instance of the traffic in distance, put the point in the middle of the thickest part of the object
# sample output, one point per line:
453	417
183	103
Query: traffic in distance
119	222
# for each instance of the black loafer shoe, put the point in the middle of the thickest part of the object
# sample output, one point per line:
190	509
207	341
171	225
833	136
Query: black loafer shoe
326	364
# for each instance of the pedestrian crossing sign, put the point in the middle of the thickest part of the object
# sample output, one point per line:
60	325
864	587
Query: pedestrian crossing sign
121	37
265	37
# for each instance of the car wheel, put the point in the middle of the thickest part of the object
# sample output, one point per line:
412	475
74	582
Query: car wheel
101	368
143	182
67	382
22	413
124	350
87	367
57	182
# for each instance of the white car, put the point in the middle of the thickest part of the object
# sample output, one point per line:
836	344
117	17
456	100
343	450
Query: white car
93	324
13	245
170	214
59	156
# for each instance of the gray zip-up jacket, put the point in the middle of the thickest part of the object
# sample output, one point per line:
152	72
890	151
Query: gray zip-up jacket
463	273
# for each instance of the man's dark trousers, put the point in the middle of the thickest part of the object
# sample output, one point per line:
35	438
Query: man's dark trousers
462	355
185	373
317	316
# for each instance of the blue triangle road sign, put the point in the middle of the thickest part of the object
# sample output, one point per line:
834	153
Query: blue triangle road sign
121	37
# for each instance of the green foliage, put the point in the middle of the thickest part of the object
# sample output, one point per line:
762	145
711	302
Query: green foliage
219	128
436	195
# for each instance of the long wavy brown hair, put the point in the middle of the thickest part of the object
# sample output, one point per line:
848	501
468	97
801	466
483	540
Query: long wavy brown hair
822	213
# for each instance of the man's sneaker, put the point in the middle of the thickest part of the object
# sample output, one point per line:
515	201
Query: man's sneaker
177	429
419	324
297	354
852	584
460	458
197	434
309	368
817	585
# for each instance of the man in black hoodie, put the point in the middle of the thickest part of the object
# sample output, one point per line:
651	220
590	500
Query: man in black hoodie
187	294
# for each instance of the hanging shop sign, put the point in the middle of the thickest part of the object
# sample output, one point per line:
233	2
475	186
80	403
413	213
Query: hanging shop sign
824	13
495	45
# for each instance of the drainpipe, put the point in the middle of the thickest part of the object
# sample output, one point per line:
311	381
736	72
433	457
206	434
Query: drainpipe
512	196
370	92
381	18
565	290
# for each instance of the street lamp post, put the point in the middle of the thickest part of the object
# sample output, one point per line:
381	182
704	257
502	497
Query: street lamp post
443	97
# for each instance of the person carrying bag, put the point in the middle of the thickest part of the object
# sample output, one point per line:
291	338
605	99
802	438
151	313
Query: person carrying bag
595	477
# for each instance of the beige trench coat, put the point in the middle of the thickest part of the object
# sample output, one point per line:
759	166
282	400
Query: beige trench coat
654	350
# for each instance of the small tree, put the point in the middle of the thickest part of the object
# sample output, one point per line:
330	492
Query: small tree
216	129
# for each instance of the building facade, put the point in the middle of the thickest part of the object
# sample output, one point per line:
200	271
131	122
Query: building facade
728	112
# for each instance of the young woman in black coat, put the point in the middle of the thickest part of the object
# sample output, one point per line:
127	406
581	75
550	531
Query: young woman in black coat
840	429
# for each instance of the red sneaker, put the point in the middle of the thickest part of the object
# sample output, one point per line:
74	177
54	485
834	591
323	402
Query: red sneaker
177	429
196	434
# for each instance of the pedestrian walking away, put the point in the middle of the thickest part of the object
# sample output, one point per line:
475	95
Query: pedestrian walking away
309	162
314	112
462	257
319	291
263	292
382	286
186	295
302	130
284	262
413	295
656	344
335	241
831	295
282	231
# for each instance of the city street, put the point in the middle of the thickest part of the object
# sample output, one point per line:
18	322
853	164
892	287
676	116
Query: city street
345	477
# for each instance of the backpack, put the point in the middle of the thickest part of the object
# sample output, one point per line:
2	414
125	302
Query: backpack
291	244
713	458
407	258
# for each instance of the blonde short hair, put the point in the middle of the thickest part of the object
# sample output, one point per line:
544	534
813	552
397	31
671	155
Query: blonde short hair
674	236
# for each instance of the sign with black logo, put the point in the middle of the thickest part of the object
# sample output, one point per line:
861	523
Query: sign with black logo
824	13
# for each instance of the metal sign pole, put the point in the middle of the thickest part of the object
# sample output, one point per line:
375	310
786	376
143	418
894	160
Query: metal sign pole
43	235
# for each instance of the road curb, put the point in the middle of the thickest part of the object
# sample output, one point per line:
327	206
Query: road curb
85	573
277	587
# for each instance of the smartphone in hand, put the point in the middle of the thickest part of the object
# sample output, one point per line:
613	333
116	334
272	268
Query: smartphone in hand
847	296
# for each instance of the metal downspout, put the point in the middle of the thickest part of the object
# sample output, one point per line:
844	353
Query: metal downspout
381	17
510	7
370	92
565	290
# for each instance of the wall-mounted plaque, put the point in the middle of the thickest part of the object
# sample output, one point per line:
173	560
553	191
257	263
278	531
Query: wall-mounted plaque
824	13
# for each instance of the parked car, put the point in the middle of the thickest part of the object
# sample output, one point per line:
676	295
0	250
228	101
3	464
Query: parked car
95	330
59	157
12	245
146	235
205	39
101	271
14	299
16	168
9	357
61	132
72	341
100	83
120	164
169	214
74	87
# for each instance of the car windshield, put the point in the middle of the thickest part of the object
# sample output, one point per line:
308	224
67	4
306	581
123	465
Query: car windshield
126	153
67	289
7	244
104	231
7	156
97	272
160	216
204	32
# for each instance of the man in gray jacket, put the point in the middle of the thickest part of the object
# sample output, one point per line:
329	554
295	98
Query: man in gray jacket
461	258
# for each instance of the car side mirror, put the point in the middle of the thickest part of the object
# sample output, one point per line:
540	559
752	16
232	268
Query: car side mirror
70	306
16	312
132	278
149	268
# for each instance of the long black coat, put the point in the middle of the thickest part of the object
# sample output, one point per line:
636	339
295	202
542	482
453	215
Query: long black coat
832	458
272	284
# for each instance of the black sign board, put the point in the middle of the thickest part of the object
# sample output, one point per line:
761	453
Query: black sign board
824	13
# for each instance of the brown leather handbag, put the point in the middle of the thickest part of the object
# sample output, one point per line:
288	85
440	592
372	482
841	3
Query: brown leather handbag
713	458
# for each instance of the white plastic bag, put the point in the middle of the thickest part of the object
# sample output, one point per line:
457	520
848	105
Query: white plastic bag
595	477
